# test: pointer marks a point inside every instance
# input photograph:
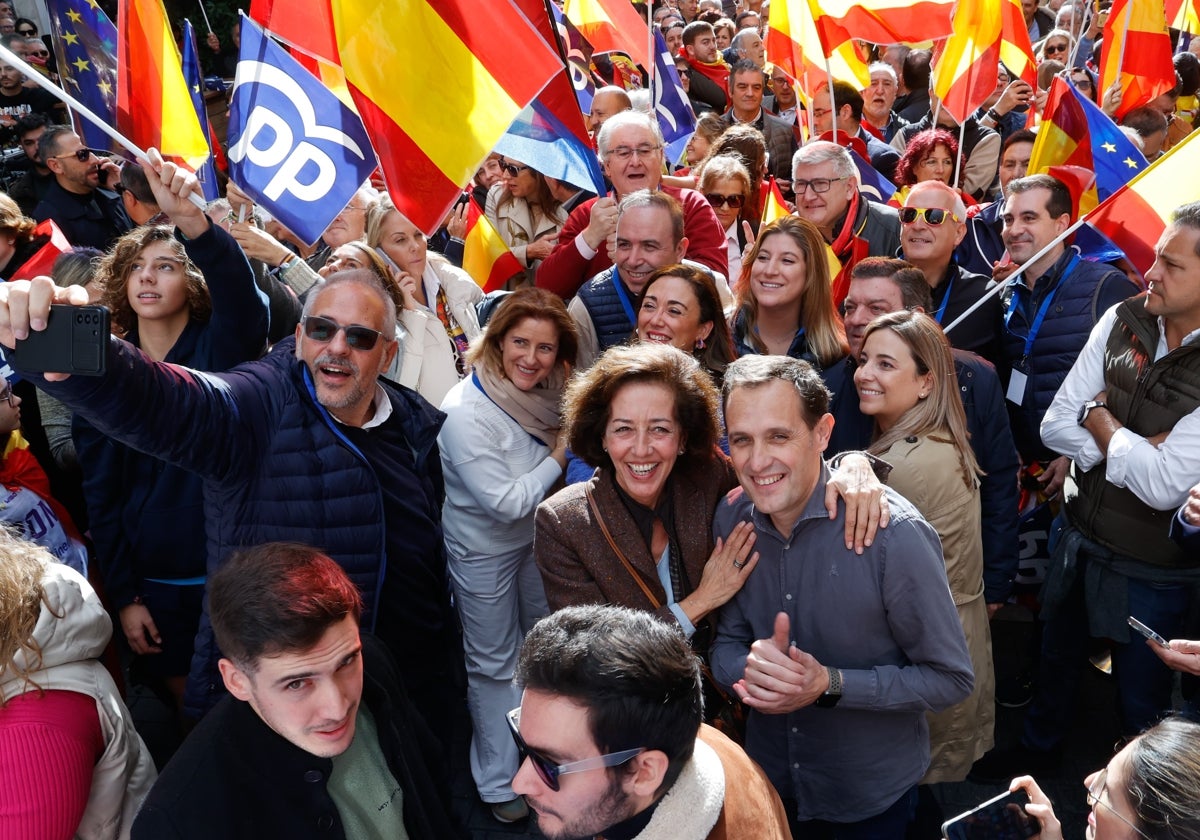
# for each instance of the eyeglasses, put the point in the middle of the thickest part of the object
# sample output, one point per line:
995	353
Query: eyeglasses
717	200
512	169
818	185
820	112
1093	799
83	155
932	215
7	395
40	53
683	72
322	330
548	771
625	153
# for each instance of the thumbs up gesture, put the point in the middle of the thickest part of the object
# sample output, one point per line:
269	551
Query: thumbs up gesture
779	677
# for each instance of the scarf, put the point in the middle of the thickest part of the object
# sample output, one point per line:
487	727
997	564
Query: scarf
849	248
663	512
716	72
536	410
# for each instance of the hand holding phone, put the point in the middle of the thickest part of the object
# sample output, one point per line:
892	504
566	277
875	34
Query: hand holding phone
1148	633
1000	818
75	341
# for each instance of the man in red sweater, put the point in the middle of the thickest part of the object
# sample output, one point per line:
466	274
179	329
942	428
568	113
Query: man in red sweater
631	151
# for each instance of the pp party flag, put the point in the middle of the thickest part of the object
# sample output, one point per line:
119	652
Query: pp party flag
293	146
871	183
85	44
578	53
611	26
485	256
206	172
966	65
437	83
1137	51
670	102
1136	215
1075	132
794	44
538	136
151	87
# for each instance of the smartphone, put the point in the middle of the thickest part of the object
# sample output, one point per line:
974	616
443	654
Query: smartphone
388	261
75	341
1000	818
1147	632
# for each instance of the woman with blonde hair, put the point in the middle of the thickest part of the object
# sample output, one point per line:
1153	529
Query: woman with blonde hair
526	215
784	302
906	381
17	240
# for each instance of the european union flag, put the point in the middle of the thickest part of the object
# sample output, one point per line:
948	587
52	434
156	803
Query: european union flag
670	101
293	146
207	173
1115	156
85	45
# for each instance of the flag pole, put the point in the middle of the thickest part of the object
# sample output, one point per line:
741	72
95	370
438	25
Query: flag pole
1078	34
1124	39
204	14
650	47
12	59
996	289
832	102
962	133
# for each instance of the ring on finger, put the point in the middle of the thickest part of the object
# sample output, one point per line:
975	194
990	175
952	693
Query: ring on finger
739	565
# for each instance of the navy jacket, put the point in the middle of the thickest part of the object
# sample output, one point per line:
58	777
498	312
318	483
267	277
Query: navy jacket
991	440
96	222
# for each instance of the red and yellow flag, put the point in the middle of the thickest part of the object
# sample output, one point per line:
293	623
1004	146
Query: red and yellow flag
304	24
437	83
881	21
794	44
151	88
966	65
1137	50
611	26
485	256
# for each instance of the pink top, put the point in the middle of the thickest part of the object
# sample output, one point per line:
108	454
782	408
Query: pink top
49	744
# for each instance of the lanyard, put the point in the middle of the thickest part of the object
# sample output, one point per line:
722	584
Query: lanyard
945	300
1043	309
625	304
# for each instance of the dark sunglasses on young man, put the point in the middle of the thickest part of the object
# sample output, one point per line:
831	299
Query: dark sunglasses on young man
547	770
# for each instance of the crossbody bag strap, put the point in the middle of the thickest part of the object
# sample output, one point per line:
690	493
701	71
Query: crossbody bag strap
633	573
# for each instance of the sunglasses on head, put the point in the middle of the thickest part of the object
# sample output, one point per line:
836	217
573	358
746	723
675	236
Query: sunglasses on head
512	169
547	770
322	331
716	200
932	215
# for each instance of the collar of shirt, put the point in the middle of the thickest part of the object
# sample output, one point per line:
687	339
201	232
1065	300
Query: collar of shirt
1161	349
757	118
814	508
383	409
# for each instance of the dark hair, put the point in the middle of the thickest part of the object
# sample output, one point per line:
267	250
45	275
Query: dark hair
48	142
275	598
1188	215
1146	121
694	30
844	93
1187	68
923	143
587	404
528	303
27	22
1023	135
1059	204
915	69
113	274
718	351
742	15
31	121
1164	774
133	178
755	371
914	288
636	676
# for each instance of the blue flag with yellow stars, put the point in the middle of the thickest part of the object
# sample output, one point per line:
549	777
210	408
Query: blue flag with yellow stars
85	44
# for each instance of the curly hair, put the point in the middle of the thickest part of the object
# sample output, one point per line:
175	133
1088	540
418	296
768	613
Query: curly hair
13	222
921	146
22	565
589	396
112	273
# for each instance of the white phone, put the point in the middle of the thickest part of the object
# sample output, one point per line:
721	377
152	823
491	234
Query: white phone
1147	632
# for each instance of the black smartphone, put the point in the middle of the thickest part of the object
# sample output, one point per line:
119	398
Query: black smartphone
1000	818
75	341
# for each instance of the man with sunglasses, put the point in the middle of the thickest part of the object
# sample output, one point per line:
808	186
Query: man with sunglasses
611	742
317	737
80	201
16	100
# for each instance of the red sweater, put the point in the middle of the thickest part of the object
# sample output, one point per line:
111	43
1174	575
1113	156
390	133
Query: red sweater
49	743
565	270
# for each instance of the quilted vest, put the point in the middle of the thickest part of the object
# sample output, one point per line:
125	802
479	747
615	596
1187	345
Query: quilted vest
599	296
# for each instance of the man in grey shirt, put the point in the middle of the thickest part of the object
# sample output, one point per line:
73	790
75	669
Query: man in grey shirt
838	655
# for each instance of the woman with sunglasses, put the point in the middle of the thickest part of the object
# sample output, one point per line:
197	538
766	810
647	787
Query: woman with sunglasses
784	302
439	288
501	453
527	216
725	184
906	381
930	156
1056	46
185	296
1150	790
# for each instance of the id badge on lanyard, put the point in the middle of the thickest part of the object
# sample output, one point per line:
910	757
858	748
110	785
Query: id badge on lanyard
1019	378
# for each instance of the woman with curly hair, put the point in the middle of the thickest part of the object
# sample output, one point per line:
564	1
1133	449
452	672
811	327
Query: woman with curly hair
185	296
784	302
929	156
17	240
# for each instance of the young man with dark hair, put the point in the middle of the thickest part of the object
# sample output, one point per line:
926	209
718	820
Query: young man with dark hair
318	738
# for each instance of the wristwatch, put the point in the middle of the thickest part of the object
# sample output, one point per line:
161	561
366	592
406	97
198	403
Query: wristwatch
1086	409
832	694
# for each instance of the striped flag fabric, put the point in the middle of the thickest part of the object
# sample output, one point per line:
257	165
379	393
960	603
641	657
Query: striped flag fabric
966	65
794	44
430	129
881	21
538	135
774	207
485	255
1136	215
304	24
1137	50
206	172
611	26
150	86
85	44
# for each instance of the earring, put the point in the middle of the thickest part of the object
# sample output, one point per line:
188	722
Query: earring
681	450
922	396
699	343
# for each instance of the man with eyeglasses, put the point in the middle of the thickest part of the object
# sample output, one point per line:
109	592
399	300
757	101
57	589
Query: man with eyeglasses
80	201
847	102
306	444
631	152
611	741
933	222
318	737
746	81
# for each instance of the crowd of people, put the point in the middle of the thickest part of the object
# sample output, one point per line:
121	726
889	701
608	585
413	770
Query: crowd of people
701	522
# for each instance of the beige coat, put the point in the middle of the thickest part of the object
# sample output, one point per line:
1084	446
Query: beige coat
926	471
518	226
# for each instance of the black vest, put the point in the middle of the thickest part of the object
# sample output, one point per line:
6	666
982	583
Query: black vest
599	296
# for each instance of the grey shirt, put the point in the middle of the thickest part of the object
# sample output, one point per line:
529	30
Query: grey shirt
885	618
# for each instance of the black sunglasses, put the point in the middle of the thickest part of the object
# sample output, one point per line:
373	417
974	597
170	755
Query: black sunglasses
32	32
512	169
716	200
933	215
83	155
547	770
323	330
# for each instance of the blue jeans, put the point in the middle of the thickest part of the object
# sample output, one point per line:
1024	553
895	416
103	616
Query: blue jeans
1143	681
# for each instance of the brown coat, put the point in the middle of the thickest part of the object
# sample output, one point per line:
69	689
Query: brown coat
579	567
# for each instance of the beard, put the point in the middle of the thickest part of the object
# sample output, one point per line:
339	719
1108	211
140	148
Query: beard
611	808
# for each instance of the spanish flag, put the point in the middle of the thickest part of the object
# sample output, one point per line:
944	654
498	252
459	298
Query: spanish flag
794	44
485	256
1137	50
437	83
986	32
611	26
152	96
881	21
